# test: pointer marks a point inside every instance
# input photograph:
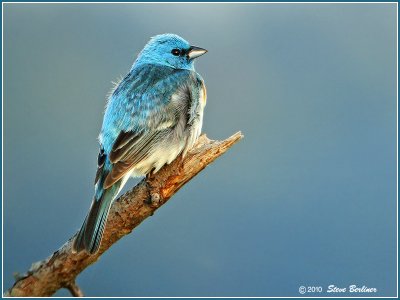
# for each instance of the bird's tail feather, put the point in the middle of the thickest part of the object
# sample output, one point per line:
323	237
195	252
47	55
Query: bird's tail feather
91	233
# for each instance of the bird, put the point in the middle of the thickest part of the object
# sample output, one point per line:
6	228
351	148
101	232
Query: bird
152	116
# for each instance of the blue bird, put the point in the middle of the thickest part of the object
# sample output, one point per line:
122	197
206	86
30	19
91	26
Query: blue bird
154	114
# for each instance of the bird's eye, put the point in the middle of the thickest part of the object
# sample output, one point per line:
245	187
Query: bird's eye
176	52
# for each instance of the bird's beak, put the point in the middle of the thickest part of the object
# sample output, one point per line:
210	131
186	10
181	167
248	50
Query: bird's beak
195	52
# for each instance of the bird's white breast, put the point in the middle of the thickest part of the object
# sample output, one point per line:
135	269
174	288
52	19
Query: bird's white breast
181	139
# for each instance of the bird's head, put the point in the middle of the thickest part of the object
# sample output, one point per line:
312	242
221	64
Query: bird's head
169	50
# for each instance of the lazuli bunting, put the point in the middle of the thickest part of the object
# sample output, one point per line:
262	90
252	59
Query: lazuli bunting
154	114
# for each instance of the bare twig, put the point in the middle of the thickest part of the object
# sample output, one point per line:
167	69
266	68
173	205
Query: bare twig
74	289
60	269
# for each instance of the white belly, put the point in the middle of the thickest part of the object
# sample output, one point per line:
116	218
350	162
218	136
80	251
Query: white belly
164	154
179	142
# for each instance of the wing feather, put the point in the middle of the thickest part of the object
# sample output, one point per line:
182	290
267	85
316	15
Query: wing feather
148	115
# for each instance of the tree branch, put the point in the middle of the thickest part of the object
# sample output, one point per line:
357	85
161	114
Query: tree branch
60	269
74	289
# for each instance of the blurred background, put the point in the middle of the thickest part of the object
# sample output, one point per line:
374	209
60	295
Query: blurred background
307	198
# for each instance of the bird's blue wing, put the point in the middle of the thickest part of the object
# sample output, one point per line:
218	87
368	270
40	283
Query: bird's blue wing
139	102
138	114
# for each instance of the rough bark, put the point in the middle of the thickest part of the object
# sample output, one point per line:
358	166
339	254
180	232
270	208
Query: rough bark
61	268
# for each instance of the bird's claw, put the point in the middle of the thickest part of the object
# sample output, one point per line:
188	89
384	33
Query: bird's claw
154	198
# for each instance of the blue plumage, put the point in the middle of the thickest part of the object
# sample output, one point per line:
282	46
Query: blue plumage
154	114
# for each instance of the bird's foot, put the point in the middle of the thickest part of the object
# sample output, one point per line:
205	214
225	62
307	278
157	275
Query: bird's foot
154	197
150	175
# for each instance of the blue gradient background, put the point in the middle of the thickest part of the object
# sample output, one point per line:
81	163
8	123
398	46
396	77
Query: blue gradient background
307	198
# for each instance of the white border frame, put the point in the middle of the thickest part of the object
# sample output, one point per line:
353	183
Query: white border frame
180	2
